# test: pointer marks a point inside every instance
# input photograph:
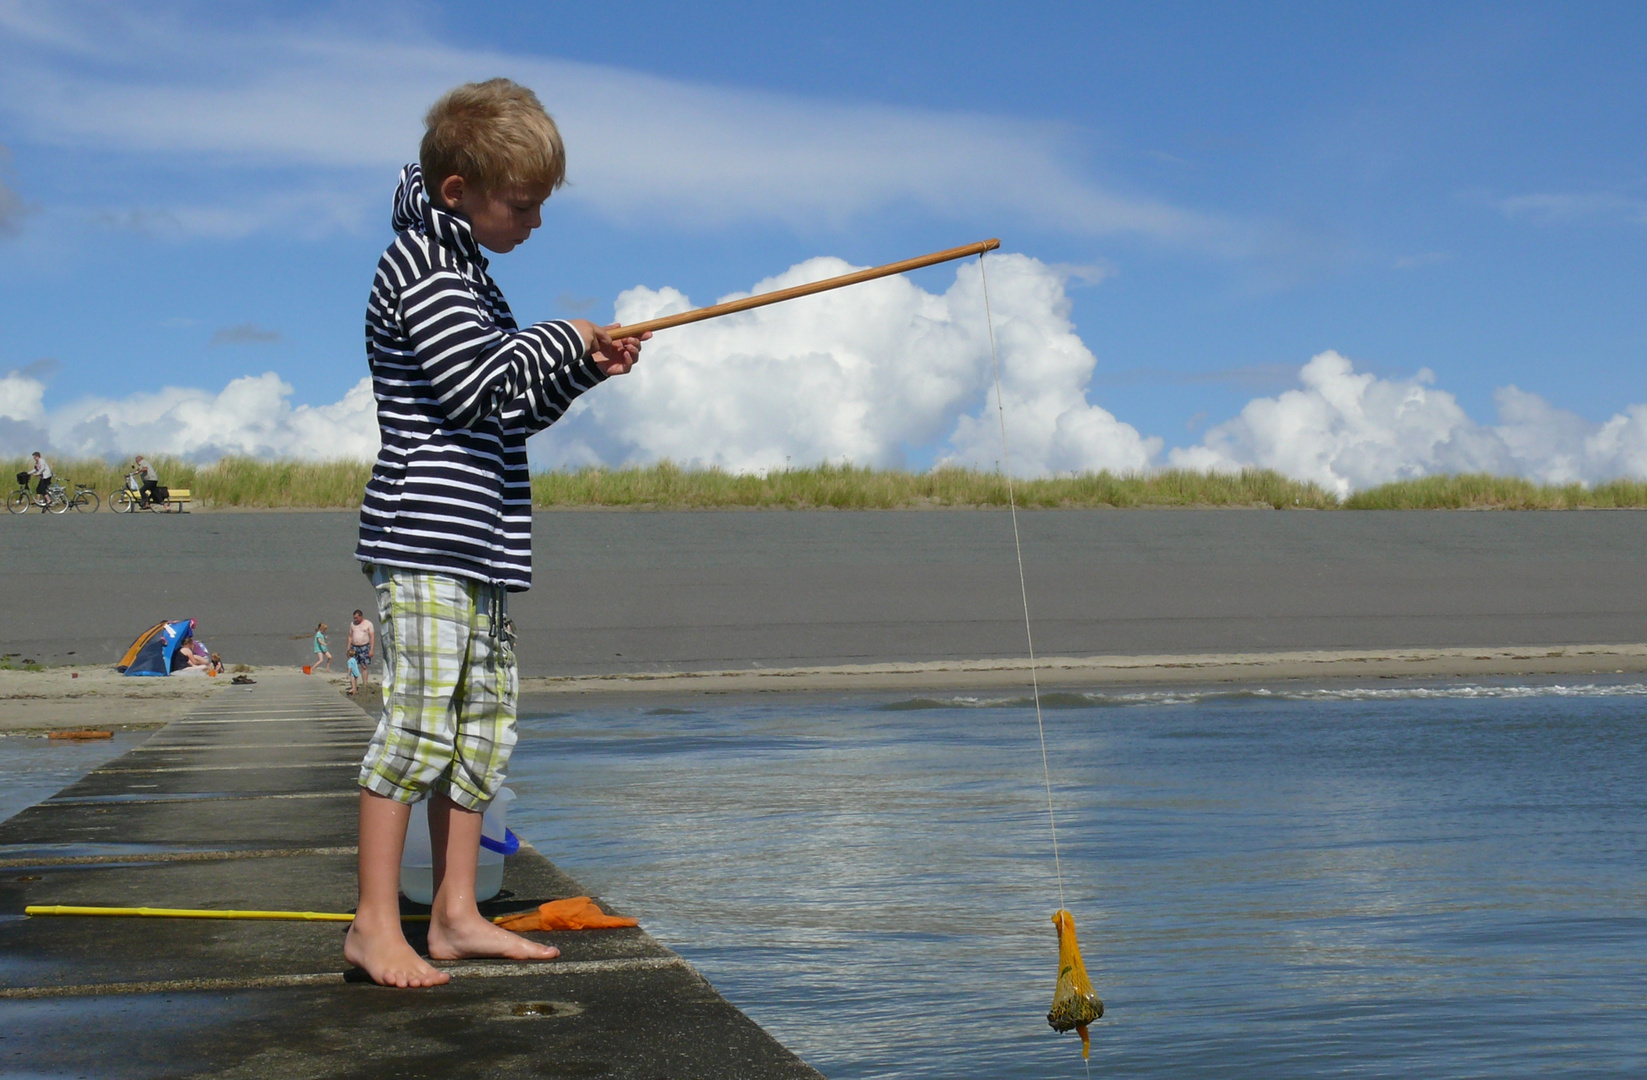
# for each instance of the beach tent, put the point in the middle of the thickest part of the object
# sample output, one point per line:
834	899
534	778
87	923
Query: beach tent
151	653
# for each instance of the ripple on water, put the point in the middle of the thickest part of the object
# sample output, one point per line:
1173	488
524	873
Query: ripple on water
1389	881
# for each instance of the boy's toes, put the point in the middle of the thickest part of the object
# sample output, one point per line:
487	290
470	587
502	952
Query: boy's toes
391	962
538	951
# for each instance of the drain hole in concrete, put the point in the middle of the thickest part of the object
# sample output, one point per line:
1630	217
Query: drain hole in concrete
537	1010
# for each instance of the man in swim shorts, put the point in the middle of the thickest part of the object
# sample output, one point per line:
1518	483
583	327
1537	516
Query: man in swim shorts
362	643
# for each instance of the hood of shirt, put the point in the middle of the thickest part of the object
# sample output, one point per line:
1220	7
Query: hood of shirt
416	212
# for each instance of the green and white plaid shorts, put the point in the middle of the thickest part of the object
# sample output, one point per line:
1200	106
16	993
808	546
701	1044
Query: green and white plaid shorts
449	690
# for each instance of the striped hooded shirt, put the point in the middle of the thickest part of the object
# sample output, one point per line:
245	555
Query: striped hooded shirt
459	389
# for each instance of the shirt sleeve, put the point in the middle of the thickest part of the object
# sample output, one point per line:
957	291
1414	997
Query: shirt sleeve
476	368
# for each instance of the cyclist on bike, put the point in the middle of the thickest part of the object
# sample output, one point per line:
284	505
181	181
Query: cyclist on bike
151	479
43	471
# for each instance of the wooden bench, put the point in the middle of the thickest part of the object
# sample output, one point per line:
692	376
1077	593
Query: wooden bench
178	499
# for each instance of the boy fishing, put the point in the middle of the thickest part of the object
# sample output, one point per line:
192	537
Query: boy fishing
445	527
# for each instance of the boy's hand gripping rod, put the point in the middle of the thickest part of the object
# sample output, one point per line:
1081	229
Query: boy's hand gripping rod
699	314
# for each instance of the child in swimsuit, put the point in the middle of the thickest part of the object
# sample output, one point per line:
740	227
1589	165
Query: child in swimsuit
321	649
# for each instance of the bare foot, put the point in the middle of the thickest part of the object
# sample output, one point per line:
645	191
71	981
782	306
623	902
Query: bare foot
381	951
473	935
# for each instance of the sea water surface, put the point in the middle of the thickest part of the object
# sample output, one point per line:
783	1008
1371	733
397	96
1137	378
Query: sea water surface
1441	881
33	767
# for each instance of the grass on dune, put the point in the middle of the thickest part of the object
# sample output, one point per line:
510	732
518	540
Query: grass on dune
847	487
1479	491
247	483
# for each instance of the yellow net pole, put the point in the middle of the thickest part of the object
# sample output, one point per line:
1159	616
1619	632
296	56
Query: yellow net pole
188	913
200	913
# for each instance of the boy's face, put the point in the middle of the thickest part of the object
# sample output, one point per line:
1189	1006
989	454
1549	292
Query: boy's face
501	220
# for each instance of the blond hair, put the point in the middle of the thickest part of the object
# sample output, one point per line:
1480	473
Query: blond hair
495	135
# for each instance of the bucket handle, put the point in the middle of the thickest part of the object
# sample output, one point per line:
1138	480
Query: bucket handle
507	846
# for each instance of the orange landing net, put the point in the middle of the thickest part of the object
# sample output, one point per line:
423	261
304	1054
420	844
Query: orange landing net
1074	1003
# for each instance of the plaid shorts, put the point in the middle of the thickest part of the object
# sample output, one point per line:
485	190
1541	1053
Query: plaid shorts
449	689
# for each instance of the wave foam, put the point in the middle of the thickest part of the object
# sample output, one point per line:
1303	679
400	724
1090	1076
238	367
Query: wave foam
1064	699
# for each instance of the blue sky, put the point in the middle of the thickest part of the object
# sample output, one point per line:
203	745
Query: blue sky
1224	191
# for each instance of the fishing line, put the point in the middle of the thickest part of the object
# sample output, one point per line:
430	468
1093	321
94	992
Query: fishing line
1023	592
1023	587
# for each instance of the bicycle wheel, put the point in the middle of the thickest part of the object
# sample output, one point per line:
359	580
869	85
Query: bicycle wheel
121	502
87	502
19	502
58	502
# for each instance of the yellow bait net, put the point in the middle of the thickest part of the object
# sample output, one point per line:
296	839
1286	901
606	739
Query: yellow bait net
1074	1003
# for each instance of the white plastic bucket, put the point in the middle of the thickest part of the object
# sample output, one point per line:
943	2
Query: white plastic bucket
417	873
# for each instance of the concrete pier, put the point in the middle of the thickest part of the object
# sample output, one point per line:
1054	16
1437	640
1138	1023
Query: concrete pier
250	803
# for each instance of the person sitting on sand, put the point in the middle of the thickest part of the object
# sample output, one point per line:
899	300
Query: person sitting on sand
446	523
214	666
321	649
190	658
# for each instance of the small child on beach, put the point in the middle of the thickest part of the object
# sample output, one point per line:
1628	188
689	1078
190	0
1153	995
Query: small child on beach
355	677
445	527
321	649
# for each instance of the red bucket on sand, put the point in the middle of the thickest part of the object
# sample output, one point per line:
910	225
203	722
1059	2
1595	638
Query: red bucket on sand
307	670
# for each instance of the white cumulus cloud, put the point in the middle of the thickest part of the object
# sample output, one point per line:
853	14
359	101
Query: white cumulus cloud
872	375
886	374
863	374
1347	430
252	415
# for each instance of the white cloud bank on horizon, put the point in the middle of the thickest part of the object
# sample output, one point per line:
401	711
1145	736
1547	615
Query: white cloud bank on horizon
252	416
345	105
875	374
1348	431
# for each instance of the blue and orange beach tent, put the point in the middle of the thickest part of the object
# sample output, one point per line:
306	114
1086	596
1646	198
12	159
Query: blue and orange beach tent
151	653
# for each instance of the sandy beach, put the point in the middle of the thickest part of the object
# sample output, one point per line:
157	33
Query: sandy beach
654	593
100	698
57	698
1068	672
96	697
684	603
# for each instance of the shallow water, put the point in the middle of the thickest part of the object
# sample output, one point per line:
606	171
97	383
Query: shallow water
1444	881
1435	881
33	767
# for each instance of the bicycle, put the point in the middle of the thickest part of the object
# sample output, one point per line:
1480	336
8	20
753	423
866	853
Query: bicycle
85	499
131	497
55	500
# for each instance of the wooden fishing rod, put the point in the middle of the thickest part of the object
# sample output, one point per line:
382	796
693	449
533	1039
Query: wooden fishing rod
699	314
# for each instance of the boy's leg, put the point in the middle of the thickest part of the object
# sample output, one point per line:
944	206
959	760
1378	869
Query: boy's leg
375	941
485	704
457	929
411	749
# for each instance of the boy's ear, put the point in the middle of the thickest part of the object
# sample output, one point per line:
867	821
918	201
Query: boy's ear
451	191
